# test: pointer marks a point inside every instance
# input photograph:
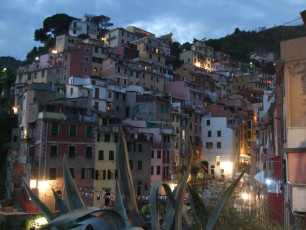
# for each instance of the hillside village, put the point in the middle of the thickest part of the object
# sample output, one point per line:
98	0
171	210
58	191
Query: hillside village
73	100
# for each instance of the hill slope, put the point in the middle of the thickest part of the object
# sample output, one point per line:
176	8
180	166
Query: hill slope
240	43
10	62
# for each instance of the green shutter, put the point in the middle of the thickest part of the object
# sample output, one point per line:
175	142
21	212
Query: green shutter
137	108
83	174
92	173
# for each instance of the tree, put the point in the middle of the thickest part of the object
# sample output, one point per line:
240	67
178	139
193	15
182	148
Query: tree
186	46
53	26
103	22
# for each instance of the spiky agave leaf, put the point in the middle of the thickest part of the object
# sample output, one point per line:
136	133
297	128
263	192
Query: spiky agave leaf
73	197
40	205
119	207
60	204
181	193
71	216
220	204
127	182
153	203
197	206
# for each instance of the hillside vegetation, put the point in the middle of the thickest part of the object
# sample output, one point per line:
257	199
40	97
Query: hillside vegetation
240	43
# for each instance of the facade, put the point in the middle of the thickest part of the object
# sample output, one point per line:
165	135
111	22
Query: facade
106	162
220	149
291	76
197	59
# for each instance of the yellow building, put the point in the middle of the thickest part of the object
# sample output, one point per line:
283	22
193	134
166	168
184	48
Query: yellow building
105	165
150	50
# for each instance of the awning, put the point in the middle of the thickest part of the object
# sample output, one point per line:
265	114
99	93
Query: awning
260	177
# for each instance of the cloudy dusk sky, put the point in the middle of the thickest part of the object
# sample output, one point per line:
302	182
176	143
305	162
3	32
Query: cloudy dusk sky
186	19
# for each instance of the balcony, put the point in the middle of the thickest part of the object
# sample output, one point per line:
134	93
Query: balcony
108	129
67	117
232	123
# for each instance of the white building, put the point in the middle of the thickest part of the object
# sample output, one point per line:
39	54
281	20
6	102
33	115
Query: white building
220	150
88	87
83	26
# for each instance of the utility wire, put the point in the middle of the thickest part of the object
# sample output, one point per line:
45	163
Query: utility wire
291	21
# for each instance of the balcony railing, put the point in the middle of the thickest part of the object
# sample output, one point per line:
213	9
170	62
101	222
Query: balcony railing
67	117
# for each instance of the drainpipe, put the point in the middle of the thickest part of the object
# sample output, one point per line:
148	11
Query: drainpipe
281	119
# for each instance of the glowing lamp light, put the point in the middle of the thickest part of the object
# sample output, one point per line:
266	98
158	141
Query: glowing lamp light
54	51
172	186
268	181
227	166
109	108
37	58
15	110
32	183
41	221
245	196
43	185
198	64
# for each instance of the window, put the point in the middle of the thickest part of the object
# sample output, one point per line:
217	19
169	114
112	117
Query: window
152	154
218	145
140	148
139	165
209	145
152	170
111	155
52	173
85	69
53	151
167	110
118	69
87	49
208	123
219	133
72	130
101	155
96	49
72	172
162	108
88	131
106	137
131	164
209	133
131	73
158	154
86	59
88	153
71	152
150	56
152	78
143	75
29	76
87	173
158	170
65	67
54	128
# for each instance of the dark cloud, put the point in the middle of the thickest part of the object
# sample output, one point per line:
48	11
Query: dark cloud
186	19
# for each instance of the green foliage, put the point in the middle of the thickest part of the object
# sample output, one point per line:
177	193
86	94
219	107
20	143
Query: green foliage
103	22
83	36
35	52
53	26
241	43
10	63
